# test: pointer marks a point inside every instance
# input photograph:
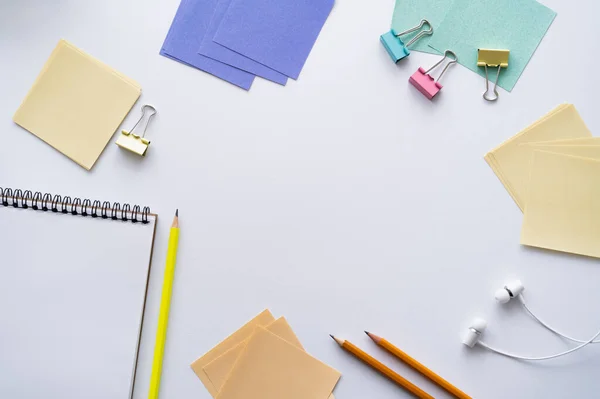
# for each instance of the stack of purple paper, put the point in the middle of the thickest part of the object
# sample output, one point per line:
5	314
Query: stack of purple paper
237	40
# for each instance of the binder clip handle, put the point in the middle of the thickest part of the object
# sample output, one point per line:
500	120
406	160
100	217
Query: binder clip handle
487	85
416	28
145	108
448	54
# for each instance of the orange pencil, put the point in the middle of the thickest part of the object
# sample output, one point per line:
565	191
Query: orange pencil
383	369
418	366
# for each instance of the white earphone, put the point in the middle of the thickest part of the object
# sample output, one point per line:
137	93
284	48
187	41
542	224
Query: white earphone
503	295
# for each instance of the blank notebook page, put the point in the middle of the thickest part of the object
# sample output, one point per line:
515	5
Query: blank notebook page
71	303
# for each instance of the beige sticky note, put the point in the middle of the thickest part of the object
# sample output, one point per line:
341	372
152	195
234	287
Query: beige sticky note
263	319
271	368
218	370
582	141
563	211
583	151
76	104
510	161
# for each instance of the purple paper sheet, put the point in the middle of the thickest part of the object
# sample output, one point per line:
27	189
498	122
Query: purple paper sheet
184	37
217	52
277	33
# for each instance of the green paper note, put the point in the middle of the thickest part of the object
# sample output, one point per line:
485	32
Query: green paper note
409	13
516	25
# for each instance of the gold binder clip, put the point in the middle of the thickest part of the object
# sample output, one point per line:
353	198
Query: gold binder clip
495	59
133	142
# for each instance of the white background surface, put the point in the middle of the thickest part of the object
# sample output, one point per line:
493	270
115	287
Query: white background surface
344	201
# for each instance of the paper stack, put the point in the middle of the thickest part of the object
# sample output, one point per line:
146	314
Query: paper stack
264	360
464	26
237	40
552	171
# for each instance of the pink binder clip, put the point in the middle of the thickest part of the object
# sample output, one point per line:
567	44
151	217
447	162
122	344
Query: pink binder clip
425	83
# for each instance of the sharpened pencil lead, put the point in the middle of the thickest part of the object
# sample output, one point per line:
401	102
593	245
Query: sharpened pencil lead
177	212
366	332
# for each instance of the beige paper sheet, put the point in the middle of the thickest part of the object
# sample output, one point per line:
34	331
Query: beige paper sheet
510	161
563	211
263	319
219	369
76	104
582	141
583	151
271	368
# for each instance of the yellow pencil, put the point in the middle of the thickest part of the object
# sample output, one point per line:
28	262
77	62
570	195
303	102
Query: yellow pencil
165	304
385	344
382	368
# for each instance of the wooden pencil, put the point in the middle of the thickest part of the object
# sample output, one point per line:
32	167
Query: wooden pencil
382	368
385	344
165	305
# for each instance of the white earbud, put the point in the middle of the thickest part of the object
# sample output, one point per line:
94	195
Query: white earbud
509	291
475	330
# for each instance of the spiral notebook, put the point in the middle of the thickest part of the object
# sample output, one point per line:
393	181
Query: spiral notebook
74	276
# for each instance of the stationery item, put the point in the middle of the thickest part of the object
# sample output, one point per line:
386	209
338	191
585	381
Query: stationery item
510	161
165	306
583	151
276	33
518	25
219	369
133	142
493	59
562	212
382	368
425	83
591	141
75	274
186	34
388	346
263	319
220	53
271	368
408	11
76	104
395	46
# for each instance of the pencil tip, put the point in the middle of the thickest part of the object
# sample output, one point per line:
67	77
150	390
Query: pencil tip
366	332
177	212
332	337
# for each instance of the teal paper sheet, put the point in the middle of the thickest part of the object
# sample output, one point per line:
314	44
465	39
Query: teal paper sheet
409	13
516	25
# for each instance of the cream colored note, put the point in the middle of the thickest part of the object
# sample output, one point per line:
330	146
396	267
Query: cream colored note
582	141
76	104
271	368
510	161
218	370
263	319
583	151
563	211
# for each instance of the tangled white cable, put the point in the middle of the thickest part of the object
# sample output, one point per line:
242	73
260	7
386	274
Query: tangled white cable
504	295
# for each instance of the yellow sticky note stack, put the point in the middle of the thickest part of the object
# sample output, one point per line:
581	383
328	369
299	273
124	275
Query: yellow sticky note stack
552	171
510	161
563	204
76	104
264	360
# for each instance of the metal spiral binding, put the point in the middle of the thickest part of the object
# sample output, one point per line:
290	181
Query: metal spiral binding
75	206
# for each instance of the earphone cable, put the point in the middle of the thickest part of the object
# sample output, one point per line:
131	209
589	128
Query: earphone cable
541	357
522	300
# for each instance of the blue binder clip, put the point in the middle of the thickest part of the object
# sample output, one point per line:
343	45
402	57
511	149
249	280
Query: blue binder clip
396	47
